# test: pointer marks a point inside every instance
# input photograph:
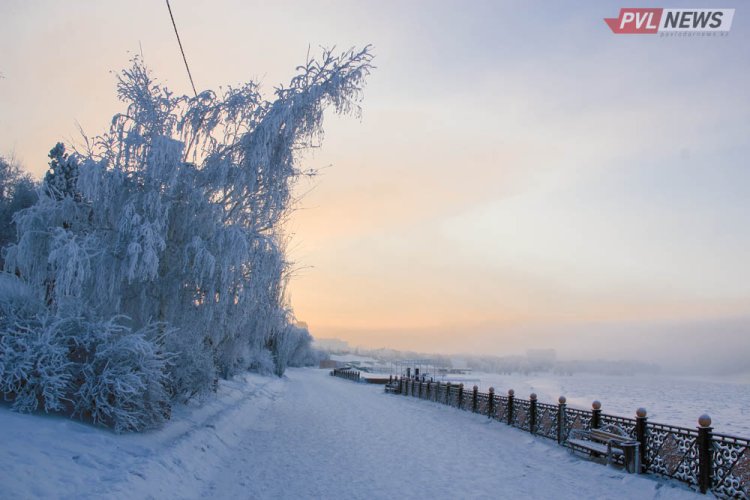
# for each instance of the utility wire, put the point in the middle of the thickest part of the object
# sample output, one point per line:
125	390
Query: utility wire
181	49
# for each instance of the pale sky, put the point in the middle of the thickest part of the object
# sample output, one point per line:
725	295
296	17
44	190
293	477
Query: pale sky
520	176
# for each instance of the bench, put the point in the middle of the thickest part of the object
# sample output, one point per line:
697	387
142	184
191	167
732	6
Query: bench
609	441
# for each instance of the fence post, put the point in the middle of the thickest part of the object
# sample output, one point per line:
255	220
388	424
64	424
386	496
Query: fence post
447	400
705	455
561	419
641	421
511	397
460	395
596	414
491	402
474	399
532	413
419	390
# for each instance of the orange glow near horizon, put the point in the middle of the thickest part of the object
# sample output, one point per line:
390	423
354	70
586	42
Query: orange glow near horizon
486	195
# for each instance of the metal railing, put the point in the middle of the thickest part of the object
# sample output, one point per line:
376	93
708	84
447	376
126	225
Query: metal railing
346	373
719	463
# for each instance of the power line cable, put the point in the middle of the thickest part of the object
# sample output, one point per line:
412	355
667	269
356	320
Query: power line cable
181	49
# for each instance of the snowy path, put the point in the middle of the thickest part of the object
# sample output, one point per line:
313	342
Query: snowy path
308	436
328	437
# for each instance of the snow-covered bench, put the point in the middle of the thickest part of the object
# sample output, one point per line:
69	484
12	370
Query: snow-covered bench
609	441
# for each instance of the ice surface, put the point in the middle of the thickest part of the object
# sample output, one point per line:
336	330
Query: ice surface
668	399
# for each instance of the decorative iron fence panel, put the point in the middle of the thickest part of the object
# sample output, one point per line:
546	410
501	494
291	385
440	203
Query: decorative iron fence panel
453	397
500	408
623	424
546	420
672	451
467	401
441	393
731	459
483	402
576	419
521	414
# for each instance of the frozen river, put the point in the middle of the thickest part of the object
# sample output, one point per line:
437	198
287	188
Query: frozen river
668	399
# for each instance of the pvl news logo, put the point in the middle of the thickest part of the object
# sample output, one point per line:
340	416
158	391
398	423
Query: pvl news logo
672	22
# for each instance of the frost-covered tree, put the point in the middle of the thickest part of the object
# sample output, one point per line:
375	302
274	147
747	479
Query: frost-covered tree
304	354
283	343
163	240
291	345
62	177
17	191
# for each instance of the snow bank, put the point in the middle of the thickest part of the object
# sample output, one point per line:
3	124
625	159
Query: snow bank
54	457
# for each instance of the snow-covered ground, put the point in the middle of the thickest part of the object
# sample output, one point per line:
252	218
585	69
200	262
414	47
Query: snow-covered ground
668	399
306	436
